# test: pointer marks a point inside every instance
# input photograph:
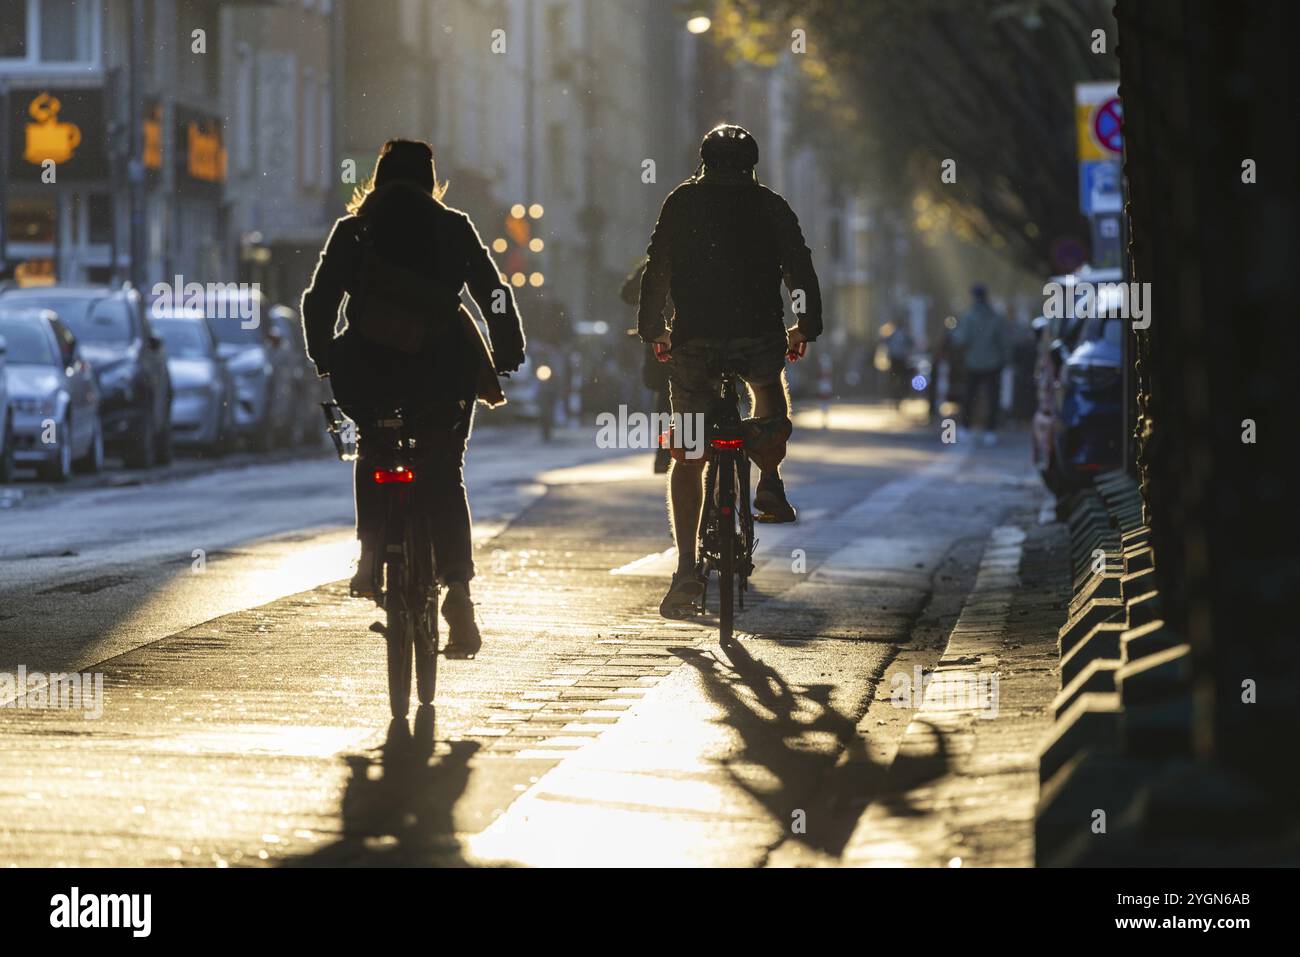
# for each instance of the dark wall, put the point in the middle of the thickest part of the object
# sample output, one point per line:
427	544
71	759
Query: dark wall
1205	87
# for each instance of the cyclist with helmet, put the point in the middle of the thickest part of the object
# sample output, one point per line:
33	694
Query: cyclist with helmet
722	248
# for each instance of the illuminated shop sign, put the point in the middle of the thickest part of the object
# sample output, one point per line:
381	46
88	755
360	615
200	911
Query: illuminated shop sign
200	148
65	127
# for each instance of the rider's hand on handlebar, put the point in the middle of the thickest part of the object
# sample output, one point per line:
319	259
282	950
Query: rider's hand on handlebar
663	347
796	344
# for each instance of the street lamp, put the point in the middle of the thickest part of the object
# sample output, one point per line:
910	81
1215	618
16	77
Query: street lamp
699	24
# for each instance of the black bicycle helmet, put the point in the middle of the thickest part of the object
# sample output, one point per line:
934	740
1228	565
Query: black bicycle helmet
729	147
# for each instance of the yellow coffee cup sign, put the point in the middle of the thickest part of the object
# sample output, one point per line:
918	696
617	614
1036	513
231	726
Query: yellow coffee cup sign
206	157
48	138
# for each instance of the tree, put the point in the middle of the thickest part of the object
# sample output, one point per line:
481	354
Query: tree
901	86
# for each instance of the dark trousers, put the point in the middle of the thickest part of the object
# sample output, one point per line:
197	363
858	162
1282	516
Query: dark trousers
438	390
977	383
439	491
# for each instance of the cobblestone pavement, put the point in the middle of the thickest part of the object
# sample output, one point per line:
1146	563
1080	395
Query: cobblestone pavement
860	723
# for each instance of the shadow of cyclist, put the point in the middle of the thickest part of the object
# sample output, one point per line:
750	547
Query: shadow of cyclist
397	805
778	724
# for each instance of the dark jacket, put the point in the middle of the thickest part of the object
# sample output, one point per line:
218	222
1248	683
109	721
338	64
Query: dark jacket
414	230
721	248
982	337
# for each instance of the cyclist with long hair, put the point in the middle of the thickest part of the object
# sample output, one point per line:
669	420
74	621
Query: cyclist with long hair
397	264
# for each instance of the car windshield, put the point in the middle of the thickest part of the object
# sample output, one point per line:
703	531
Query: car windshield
27	342
184	338
98	319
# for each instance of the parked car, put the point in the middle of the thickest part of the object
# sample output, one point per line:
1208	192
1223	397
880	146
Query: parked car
1078	424
202	387
129	363
307	390
1089	419
6	422
53	395
260	363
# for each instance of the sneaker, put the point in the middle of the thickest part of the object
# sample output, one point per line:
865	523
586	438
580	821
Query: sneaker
363	582
770	501
463	638
683	598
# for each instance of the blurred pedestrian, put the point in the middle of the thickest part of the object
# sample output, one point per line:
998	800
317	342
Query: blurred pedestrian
898	350
983	340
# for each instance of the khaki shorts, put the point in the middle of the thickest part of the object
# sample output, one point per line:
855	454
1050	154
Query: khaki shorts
759	361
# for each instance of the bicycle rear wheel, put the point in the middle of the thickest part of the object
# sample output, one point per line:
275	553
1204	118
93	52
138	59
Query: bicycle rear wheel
726	492
399	638
426	648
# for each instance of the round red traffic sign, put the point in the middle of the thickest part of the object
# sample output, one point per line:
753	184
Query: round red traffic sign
1108	125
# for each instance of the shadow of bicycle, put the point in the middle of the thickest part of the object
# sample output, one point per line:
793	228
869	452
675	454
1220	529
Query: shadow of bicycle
397	805
816	792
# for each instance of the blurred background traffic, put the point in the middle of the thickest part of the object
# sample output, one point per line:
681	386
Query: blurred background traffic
216	142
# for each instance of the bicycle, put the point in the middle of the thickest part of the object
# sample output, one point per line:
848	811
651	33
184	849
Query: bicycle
726	542
405	584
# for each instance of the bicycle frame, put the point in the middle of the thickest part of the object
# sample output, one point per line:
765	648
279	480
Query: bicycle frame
727	525
404	582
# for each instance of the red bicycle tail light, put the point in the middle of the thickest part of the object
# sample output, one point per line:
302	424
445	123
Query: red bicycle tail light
398	476
727	443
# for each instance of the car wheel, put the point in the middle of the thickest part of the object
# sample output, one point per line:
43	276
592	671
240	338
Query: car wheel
59	469
7	452
142	450
93	461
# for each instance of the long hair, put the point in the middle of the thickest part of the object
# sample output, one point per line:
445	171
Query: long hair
408	161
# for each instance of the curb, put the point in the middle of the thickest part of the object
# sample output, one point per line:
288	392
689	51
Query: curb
1119	782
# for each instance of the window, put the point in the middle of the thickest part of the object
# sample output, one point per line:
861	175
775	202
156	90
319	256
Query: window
65	31
31	220
326	133
13	29
27	341
244	112
99	212
558	43
556	157
49	32
310	140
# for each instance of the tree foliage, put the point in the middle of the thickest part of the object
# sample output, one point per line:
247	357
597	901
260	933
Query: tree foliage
896	87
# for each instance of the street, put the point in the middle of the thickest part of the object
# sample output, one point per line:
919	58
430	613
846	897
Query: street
245	715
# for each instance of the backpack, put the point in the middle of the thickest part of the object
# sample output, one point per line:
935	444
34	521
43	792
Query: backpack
396	307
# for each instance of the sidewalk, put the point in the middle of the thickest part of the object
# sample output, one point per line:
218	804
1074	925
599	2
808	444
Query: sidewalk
963	788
